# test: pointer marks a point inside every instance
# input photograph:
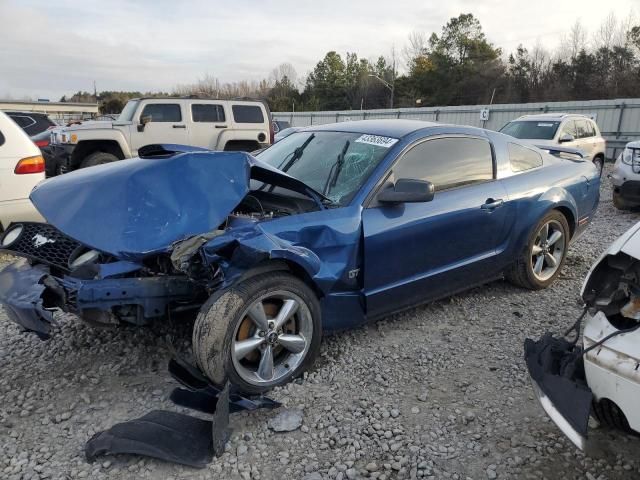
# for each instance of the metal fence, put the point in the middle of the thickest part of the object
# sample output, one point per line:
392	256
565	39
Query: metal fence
619	120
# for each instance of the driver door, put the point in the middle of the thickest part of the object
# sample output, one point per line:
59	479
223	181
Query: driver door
166	123
415	252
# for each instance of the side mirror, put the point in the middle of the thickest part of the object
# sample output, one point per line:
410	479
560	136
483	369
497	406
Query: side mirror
143	122
407	190
566	137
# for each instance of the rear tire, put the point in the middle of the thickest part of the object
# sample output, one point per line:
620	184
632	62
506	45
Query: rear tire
98	158
525	272
228	343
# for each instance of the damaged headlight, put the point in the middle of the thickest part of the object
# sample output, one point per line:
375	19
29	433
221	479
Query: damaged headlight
82	258
11	236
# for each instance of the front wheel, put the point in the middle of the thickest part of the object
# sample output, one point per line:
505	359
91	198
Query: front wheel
544	255
599	163
98	158
260	333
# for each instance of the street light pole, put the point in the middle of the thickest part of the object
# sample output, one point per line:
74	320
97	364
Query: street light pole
390	86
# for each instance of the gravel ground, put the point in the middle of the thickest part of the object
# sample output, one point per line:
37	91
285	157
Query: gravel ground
440	391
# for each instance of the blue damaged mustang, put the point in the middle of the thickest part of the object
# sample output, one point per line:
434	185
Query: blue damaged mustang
330	227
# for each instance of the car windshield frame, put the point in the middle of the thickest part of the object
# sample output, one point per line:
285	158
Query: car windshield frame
313	157
549	127
129	110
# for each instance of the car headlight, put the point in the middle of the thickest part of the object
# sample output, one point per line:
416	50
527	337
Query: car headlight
11	236
83	258
627	156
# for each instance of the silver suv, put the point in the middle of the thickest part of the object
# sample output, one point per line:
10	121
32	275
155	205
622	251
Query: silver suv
569	130
625	177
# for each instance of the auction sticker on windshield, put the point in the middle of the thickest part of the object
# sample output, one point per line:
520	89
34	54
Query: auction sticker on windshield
545	124
384	142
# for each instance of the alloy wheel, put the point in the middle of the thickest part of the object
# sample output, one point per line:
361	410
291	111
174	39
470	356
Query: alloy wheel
548	250
272	339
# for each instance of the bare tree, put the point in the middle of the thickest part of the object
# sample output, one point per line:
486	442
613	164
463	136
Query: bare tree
574	42
284	70
416	46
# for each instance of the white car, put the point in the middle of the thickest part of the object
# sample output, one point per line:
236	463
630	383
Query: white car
566	129
625	177
601	378
21	169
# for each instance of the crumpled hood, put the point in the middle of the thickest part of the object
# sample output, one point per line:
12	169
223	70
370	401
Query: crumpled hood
137	207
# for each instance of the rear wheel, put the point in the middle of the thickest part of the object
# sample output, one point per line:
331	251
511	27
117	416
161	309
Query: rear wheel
544	255
260	333
98	158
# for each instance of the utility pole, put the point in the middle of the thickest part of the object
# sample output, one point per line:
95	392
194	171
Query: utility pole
390	86
95	91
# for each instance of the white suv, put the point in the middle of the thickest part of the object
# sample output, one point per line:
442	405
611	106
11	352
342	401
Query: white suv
569	130
243	125
626	177
21	169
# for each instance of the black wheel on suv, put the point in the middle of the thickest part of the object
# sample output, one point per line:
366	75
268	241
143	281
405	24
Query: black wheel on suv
98	158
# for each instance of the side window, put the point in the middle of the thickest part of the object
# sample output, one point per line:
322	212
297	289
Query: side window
570	128
594	129
582	128
1	139
523	158
207	113
447	162
23	121
162	112
247	114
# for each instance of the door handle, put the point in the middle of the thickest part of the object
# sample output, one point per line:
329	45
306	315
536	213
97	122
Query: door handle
221	126
492	204
179	126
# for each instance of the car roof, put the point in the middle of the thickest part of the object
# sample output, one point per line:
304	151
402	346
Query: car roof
14	112
553	117
395	128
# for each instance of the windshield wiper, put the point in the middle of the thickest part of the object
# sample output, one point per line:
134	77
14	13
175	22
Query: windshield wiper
297	153
336	168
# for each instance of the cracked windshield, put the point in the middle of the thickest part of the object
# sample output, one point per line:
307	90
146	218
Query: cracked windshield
332	163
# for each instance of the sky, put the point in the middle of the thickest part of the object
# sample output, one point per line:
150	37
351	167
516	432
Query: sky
49	49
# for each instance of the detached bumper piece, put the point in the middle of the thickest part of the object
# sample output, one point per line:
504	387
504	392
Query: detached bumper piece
557	372
21	292
175	437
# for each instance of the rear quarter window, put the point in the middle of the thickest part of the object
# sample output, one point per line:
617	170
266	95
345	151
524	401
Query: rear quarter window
247	114
1	139
523	158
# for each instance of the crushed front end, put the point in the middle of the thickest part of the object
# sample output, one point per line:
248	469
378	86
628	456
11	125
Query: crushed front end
601	377
57	272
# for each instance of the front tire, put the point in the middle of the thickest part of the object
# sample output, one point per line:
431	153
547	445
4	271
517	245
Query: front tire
545	253
620	202
98	158
258	334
